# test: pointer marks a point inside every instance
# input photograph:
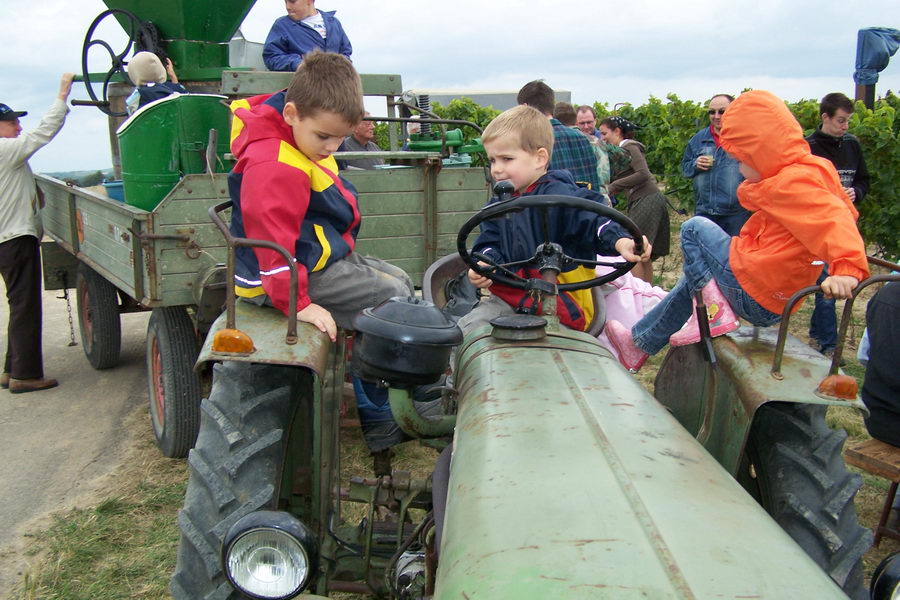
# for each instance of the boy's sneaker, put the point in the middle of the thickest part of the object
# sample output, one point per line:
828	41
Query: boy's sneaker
721	317
632	357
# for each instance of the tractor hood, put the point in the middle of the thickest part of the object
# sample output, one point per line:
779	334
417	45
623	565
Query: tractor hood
568	480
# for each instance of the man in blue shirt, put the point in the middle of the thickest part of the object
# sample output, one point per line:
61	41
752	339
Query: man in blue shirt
715	172
572	150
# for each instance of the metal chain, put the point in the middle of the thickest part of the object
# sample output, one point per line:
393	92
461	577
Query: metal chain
65	281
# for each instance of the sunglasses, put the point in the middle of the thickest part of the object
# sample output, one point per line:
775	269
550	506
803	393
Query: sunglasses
713	111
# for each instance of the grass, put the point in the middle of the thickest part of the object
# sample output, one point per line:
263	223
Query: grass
125	545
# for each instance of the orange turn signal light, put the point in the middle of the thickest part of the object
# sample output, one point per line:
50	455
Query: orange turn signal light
841	387
232	341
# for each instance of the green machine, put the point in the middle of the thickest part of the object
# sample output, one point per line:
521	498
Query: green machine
558	477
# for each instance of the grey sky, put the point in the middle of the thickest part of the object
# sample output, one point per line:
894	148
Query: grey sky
601	51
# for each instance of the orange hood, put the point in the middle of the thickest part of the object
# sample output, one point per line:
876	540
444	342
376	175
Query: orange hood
759	130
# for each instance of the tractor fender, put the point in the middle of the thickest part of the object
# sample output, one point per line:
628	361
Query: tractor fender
267	328
718	405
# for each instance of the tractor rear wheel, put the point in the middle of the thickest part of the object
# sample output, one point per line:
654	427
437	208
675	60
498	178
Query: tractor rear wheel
235	467
174	387
98	318
795	469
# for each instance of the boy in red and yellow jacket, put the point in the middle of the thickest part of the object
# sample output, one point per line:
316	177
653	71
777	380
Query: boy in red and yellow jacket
801	217
286	189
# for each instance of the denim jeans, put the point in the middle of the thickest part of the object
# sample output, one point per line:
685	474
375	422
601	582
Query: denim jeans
823	323
705	247
731	224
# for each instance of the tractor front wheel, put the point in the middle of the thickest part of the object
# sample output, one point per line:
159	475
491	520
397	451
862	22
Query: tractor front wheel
174	387
795	469
236	467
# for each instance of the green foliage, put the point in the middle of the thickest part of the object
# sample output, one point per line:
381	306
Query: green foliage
665	131
465	109
878	131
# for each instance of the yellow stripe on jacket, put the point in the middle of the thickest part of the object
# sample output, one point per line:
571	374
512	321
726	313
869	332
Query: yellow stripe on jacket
584	298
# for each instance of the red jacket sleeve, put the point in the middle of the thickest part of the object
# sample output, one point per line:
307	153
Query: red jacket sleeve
274	200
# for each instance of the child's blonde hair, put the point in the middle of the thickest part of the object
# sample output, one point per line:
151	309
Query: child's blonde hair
328	82
526	125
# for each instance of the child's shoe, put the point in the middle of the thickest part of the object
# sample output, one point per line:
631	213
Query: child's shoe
721	317
632	357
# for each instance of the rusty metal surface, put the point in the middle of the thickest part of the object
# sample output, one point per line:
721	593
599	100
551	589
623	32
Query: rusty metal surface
726	399
266	326
568	480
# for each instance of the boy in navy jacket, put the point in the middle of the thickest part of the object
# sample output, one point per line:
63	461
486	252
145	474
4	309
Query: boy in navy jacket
519	144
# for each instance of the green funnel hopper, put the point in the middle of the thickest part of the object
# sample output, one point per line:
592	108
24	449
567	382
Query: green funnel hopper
195	33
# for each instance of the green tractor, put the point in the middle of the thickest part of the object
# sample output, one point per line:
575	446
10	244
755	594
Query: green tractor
560	476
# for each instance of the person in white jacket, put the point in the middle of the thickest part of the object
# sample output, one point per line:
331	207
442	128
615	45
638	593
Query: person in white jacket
20	235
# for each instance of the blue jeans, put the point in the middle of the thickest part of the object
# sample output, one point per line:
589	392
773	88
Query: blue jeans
823	323
731	224
705	247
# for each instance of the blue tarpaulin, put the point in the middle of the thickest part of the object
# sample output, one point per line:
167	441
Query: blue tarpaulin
874	48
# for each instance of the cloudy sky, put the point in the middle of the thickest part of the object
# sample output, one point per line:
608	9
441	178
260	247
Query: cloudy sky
601	51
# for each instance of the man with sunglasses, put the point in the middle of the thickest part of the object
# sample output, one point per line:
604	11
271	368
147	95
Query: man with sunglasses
715	172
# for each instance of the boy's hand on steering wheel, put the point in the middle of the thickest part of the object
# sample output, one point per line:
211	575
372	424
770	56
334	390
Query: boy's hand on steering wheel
839	286
321	318
479	281
625	248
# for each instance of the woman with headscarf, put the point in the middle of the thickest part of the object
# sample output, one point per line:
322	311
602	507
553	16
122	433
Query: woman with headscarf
646	205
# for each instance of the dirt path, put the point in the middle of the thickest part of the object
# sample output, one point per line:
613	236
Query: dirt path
57	446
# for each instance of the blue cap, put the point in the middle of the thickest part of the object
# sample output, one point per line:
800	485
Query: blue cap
8	114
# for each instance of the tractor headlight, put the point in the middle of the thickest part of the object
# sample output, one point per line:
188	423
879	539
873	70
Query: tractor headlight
885	583
269	554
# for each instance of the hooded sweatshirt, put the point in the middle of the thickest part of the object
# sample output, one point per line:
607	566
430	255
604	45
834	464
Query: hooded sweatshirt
801	216
281	195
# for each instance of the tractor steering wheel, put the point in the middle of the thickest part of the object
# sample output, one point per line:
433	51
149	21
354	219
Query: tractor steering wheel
142	36
547	253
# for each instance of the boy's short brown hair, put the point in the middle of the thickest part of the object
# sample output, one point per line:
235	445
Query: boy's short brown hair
326	81
524	124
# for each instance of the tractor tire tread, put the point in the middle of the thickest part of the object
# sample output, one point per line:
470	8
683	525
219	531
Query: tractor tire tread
808	490
104	348
183	393
234	469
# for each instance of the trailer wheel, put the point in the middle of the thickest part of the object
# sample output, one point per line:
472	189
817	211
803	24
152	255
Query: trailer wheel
98	318
174	386
235	467
799	476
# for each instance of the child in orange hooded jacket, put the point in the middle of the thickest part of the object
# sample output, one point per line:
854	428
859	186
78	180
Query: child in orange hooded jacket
801	217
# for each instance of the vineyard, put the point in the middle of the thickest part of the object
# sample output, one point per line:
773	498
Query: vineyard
667	125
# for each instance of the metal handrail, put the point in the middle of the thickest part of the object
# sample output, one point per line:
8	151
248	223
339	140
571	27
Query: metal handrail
234	242
845	317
